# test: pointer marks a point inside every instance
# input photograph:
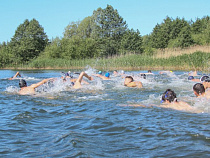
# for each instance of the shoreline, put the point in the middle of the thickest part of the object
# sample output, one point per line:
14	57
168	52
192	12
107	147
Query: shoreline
174	68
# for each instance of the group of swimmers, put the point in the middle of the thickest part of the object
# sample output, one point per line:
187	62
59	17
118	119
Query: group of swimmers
169	99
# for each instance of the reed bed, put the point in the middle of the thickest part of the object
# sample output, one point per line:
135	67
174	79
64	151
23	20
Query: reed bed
195	61
169	52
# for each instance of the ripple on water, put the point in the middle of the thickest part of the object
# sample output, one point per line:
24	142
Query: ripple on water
91	122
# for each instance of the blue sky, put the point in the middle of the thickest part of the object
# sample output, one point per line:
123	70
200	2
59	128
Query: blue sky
55	15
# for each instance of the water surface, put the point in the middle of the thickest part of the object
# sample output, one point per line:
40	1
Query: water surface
94	121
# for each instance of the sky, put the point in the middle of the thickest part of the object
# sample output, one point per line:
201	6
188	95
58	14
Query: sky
55	15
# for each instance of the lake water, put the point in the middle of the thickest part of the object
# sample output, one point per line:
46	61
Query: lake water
94	121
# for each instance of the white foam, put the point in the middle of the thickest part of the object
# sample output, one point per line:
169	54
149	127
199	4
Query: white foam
12	89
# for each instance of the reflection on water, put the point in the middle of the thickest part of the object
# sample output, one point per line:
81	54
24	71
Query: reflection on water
61	122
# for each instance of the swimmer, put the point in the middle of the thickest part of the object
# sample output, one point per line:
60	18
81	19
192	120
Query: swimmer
203	78
169	100
29	90
199	91
115	73
129	82
100	72
191	78
15	76
105	77
75	79
68	74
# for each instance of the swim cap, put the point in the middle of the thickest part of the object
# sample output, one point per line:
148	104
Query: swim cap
22	83
203	78
100	72
190	78
107	74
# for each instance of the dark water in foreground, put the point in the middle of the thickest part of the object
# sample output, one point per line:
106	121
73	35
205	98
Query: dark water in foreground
92	122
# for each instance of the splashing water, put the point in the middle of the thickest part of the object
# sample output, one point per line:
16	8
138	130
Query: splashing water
95	121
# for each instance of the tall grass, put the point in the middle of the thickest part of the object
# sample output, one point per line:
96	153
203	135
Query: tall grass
197	60
169	52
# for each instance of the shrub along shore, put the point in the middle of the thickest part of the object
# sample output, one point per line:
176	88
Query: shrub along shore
199	61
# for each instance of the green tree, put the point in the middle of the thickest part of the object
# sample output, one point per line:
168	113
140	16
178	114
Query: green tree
71	29
29	40
185	38
108	23
132	42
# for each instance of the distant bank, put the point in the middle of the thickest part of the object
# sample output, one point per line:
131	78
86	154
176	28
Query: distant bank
193	58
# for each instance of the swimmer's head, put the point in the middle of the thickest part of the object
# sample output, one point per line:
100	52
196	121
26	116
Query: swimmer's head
203	78
107	74
169	96
198	89
100	72
149	71
22	83
115	72
128	79
190	78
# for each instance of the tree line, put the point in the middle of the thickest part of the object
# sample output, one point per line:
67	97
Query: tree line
105	33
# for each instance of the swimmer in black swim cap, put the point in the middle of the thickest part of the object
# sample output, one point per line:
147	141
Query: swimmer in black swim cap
22	83
26	90
170	101
203	78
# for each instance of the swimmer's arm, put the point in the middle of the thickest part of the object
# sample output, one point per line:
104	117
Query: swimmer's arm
98	75
83	81
79	80
139	84
41	83
17	74
81	76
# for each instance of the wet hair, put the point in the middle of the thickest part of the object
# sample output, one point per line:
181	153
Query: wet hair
22	83
199	88
130	77
144	76
203	78
149	71
190	78
169	95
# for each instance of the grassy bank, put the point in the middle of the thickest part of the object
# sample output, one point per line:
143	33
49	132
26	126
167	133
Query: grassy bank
198	60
